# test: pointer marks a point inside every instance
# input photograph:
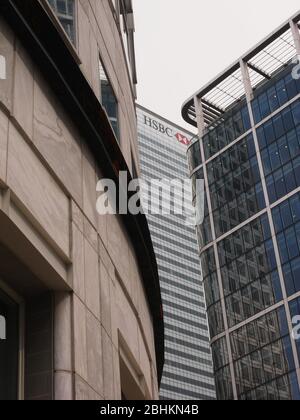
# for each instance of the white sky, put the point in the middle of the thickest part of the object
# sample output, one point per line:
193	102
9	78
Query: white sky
183	44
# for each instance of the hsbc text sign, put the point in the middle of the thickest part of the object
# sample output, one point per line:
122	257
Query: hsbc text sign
161	128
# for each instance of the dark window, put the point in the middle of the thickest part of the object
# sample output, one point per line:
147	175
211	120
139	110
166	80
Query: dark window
278	94
279	141
236	124
65	11
109	100
264	363
224	384
235	186
249	272
194	156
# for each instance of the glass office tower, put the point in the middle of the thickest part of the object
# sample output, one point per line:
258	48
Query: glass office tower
248	154
188	373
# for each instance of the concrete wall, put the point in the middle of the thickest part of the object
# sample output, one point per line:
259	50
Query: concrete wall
48	214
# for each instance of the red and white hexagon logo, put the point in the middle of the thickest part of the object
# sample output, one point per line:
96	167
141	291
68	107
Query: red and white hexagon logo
182	139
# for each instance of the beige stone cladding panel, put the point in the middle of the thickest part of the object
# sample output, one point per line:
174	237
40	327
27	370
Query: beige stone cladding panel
57	140
84	47
80	338
78	269
63	386
63	344
109	375
3	146
139	297
33	185
88	352
94	354
83	392
105	299
23	90
89	186
91	276
124	319
118	249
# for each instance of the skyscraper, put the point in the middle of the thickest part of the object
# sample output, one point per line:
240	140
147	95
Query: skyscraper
248	154
188	365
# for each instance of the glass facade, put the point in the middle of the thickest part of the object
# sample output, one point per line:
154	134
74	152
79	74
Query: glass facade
250	241
286	218
188	372
236	123
235	186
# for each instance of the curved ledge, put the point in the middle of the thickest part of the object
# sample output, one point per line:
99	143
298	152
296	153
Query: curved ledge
43	42
185	112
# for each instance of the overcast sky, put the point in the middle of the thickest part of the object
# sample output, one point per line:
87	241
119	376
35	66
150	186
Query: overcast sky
182	44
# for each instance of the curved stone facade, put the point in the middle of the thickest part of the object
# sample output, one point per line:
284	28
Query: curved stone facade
85	285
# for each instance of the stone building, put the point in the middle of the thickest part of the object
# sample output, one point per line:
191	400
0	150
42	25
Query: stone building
79	292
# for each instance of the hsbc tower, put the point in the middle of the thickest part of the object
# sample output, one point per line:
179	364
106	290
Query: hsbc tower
188	372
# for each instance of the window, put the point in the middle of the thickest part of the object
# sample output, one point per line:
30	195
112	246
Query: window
9	348
280	92
248	268
236	124
109	100
235	186
132	381
279	140
65	11
194	156
287	226
262	353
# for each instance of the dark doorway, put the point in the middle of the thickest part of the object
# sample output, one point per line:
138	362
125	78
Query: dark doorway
9	348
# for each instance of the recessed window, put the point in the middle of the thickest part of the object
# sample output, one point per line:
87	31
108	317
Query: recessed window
9	348
65	11
109	100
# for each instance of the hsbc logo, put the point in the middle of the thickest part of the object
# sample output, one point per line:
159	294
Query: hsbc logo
182	139
161	128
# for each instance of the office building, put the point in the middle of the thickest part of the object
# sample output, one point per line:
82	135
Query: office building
80	303
248	154
188	371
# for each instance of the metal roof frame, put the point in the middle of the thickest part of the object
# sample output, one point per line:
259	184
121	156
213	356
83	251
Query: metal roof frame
264	60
